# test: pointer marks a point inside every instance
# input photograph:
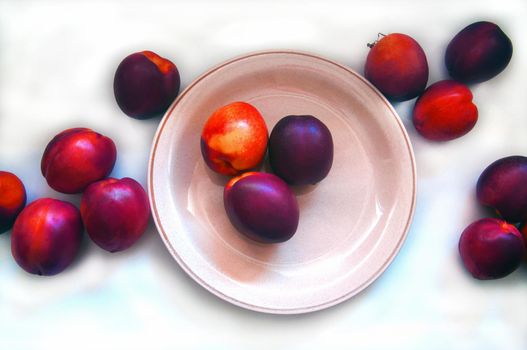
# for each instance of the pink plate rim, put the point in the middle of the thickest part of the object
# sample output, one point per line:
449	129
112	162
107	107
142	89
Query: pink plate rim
203	283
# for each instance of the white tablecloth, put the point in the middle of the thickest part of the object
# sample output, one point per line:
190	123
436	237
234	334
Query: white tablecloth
57	60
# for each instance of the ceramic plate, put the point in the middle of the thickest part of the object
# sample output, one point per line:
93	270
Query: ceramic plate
352	223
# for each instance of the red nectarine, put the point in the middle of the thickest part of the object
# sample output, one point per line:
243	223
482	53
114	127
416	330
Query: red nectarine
77	157
46	236
397	66
12	199
445	111
115	212
234	139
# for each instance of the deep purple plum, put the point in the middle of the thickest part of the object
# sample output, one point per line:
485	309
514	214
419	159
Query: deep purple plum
46	236
301	149
478	53
262	207
491	248
503	186
115	213
145	84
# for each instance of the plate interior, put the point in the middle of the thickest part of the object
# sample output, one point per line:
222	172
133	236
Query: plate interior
351	224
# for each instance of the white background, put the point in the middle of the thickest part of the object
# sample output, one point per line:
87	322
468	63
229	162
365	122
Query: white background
57	60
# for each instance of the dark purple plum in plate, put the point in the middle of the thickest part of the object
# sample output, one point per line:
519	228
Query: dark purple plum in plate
301	149
262	207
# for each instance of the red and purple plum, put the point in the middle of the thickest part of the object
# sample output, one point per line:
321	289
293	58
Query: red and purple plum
145	84
46	236
234	139
77	157
12	199
445	111
262	207
397	66
115	213
503	186
491	248
478	53
301	149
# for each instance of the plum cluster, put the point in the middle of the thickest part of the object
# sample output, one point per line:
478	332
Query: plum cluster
492	248
47	233
397	66
261	205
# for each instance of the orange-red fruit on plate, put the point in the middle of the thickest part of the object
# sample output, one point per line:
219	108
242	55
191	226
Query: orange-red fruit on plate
12	199
77	157
46	236
445	111
234	139
397	66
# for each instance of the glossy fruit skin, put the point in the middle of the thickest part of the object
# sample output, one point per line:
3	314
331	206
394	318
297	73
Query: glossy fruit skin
524	233
115	213
502	186
491	248
262	207
75	158
478	53
12	199
397	66
301	149
46	236
145	84
445	111
234	139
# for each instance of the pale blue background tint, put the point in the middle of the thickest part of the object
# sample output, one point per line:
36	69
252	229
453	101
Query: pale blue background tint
57	60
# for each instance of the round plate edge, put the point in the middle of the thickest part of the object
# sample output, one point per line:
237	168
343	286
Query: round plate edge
227	298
